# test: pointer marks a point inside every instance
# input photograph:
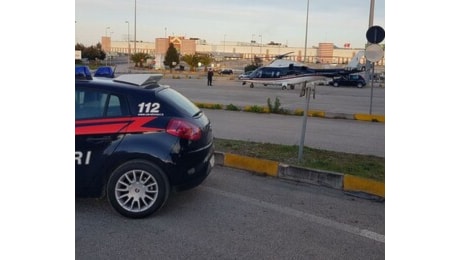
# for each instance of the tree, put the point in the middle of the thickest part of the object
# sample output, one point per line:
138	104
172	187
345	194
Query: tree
205	59
79	47
139	58
194	59
92	52
191	61
172	57
256	63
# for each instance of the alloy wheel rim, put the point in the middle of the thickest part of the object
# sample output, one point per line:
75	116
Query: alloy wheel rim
136	190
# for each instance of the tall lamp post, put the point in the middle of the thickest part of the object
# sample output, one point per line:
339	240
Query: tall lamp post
306	34
135	26
106	28
110	56
129	45
307	91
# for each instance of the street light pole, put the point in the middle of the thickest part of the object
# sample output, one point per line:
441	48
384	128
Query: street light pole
106	28
306	34
135	26
307	91
129	46
110	56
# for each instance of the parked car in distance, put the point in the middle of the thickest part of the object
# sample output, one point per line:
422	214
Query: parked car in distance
355	80
226	72
137	140
380	76
180	68
244	75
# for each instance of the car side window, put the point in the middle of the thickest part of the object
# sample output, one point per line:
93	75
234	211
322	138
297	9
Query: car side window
96	104
114	106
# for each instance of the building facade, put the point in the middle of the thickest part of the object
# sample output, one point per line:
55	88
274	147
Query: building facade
324	53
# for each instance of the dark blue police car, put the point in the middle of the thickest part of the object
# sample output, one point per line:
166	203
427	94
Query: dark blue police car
135	140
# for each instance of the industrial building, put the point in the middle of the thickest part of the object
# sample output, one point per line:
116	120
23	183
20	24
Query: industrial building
324	53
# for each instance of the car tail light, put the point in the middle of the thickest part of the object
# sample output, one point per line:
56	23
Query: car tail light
183	129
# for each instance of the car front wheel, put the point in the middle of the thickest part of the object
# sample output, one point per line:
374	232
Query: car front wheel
137	189
360	85
336	84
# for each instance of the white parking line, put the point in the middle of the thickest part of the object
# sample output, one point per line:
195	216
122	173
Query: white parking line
303	215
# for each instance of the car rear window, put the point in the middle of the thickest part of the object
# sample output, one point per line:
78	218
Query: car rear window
184	104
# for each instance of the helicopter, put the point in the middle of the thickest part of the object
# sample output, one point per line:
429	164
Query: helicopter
287	73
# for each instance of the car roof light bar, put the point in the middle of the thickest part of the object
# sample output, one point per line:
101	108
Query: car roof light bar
139	79
83	72
105	71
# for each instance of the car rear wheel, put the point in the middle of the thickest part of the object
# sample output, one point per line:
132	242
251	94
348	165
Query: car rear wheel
360	85
137	189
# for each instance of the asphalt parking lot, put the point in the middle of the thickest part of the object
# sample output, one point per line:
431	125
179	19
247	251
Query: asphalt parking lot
237	215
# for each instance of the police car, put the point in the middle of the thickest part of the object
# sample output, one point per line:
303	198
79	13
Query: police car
136	140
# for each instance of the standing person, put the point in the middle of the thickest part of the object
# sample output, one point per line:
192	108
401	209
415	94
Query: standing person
210	75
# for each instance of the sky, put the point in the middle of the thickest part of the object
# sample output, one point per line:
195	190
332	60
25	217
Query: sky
336	21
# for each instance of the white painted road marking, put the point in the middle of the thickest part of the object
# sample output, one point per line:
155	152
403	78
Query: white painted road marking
302	215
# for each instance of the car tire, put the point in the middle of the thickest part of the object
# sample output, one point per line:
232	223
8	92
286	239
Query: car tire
360	85
137	189
251	85
292	86
336	84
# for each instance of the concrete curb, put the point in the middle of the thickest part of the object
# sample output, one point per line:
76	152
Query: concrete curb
298	112
339	181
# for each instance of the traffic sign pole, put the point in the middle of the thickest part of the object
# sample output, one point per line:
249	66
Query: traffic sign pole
373	53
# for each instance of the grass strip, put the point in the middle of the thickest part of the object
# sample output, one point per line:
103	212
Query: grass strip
366	166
